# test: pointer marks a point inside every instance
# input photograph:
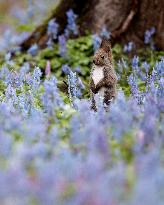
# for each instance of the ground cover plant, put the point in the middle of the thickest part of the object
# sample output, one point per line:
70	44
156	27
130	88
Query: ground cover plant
55	150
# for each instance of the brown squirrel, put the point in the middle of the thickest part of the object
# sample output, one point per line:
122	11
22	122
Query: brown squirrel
103	77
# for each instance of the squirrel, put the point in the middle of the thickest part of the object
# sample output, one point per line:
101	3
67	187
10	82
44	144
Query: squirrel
103	79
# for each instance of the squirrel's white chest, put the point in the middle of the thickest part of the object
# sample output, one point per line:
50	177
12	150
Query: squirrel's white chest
97	74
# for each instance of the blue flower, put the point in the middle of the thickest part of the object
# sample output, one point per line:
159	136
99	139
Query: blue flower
52	29
5	145
71	23
78	69
105	33
50	43
96	41
36	78
128	48
135	62
159	67
62	46
146	66
148	35
48	69
30	9
51	99
33	50
66	69
8	56
133	84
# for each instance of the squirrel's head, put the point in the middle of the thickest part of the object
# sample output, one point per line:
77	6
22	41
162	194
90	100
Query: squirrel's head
104	54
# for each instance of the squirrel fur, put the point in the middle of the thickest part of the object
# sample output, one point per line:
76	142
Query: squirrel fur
103	79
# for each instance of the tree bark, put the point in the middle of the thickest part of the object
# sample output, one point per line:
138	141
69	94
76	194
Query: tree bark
126	19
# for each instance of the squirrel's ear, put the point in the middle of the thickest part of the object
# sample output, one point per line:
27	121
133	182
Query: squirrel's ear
106	45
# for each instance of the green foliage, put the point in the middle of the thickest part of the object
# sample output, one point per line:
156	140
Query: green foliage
79	54
25	27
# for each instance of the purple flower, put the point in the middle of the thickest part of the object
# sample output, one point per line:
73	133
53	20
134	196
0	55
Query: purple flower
96	41
148	35
71	23
34	80
37	73
148	124
135	62
5	145
25	103
62	46
128	48
133	84
146	66
48	69
4	72
66	69
72	85
78	69
159	67
8	56
41	136
75	85
24	69
52	29
81	84
50	43
33	50
51	99
30	10
105	33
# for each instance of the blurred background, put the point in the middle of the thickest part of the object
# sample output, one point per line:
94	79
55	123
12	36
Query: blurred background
21	17
16	12
126	20
54	150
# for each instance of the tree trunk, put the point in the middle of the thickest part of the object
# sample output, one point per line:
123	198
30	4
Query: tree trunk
126	19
